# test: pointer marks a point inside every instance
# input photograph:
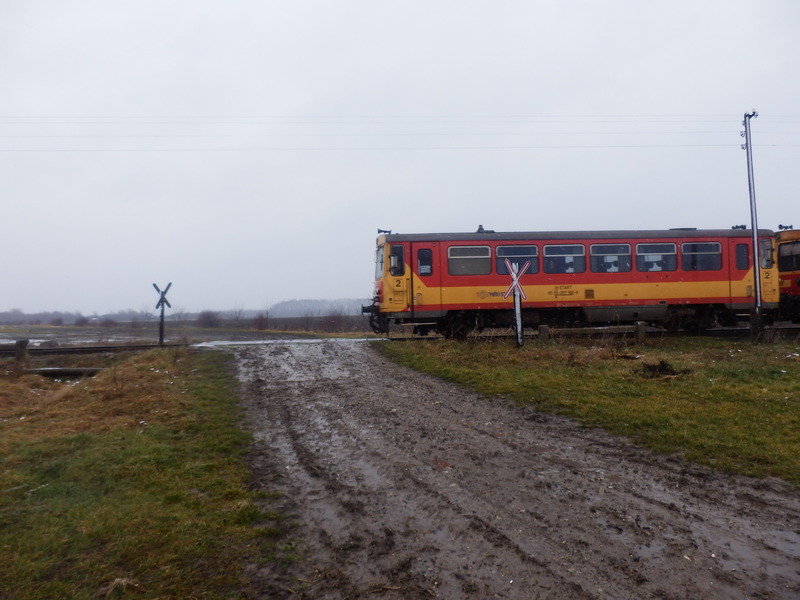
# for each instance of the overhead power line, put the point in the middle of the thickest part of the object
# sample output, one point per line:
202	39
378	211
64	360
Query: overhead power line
365	119
373	148
452	132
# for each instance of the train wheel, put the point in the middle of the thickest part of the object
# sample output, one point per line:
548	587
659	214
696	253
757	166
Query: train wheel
706	319
672	321
379	323
727	319
458	326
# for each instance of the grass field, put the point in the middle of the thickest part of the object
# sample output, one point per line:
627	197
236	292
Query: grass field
729	404
129	484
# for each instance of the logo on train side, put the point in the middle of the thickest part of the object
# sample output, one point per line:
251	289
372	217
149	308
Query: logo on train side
483	294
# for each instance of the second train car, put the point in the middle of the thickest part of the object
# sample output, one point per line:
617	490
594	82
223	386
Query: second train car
454	283
788	258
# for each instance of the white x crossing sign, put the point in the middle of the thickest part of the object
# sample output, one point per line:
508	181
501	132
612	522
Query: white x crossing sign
516	273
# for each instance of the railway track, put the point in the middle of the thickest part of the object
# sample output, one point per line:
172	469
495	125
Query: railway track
783	331
11	351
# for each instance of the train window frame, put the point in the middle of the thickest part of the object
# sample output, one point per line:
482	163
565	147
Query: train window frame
469	264
742	257
397	263
556	255
765	256
789	256
425	265
380	257
667	253
699	256
610	258
532	255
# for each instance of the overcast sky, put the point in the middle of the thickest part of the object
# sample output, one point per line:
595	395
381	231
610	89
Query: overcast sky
247	151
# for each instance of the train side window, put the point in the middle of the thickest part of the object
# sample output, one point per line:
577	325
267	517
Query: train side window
742	257
610	258
789	256
397	263
519	255
701	256
425	262
566	258
469	260
656	257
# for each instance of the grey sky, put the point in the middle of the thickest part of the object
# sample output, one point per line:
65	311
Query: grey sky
247	151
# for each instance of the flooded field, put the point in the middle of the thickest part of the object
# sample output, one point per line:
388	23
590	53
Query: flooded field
145	333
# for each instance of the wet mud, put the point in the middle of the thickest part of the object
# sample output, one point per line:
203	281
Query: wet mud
407	487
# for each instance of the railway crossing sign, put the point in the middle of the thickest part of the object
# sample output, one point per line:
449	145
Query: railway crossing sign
516	273
516	288
162	302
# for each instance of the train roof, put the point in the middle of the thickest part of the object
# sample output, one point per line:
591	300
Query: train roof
786	235
491	236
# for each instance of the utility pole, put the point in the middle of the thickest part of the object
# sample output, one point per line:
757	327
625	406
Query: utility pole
748	147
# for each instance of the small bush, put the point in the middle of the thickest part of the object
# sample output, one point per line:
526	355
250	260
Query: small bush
261	322
209	318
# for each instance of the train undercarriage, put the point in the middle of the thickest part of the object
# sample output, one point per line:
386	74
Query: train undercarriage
459	324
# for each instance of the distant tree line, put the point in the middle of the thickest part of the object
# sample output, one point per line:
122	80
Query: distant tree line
16	316
301	308
343	315
334	322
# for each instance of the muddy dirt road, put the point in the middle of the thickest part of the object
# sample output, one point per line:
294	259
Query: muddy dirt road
406	487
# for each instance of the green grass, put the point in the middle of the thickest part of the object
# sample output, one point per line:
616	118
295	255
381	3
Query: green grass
732	405
132	484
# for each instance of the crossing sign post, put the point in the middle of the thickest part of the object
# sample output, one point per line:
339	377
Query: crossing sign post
519	294
162	302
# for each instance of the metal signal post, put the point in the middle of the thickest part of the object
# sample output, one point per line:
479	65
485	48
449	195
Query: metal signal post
748	147
162	302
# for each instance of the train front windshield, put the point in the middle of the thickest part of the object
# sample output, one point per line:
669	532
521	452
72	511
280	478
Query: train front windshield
789	257
379	262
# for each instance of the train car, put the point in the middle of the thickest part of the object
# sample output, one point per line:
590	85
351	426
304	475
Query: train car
788	256
453	283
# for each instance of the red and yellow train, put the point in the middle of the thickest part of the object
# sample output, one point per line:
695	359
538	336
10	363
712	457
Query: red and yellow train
453	283
788	256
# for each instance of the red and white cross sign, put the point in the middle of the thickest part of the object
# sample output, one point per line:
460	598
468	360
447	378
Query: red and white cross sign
515	275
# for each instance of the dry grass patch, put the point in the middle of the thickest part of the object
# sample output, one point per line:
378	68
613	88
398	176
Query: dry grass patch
128	484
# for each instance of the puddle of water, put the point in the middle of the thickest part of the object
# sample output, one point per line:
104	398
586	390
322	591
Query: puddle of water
224	343
7	341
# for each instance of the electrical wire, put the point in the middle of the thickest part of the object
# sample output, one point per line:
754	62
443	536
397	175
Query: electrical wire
554	127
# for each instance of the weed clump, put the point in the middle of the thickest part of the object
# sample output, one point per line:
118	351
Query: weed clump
660	370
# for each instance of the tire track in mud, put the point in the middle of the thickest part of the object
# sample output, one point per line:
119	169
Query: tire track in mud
408	487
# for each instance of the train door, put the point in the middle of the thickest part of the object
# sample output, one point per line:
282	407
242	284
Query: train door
740	264
741	261
426	278
399	273
769	272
